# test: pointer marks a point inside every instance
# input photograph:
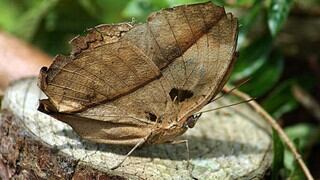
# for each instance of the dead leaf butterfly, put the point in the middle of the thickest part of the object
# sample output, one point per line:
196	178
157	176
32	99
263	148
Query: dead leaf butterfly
139	84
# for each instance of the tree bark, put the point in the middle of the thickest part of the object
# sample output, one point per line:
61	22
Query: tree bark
230	143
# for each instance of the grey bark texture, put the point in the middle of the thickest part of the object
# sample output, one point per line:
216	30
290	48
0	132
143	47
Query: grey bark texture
231	143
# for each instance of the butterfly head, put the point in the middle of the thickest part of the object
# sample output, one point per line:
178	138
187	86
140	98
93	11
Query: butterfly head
192	120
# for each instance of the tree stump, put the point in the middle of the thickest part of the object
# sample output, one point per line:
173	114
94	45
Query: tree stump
230	143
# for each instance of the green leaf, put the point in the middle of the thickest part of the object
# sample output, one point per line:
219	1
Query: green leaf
304	136
182	2
92	7
9	15
140	9
246	2
112	11
265	77
28	24
295	173
278	156
251	58
281	100
66	20
247	21
219	2
277	14
307	134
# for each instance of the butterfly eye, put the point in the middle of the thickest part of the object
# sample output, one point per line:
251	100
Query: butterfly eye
192	120
179	95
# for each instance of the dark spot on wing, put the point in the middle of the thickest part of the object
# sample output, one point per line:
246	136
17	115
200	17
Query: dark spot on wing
179	95
152	117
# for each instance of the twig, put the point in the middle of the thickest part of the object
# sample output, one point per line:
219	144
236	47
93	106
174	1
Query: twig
277	127
307	101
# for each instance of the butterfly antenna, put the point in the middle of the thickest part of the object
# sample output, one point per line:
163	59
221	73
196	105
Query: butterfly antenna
228	92
205	111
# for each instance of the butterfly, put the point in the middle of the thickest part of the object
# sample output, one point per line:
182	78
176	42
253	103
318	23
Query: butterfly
134	84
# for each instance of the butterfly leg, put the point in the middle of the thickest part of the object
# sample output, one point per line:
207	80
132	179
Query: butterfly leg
129	153
187	146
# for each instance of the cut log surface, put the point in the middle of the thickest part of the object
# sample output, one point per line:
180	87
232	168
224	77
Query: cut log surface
230	143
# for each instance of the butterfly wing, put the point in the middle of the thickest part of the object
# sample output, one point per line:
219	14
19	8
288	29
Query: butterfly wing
101	73
185	86
114	60
204	68
182	63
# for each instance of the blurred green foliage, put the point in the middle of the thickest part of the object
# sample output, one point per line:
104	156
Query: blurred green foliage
50	24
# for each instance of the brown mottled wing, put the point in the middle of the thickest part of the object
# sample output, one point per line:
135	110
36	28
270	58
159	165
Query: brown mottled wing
207	66
192	47
99	73
115	60
203	70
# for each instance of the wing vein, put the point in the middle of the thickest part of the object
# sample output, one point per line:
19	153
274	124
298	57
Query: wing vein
177	44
